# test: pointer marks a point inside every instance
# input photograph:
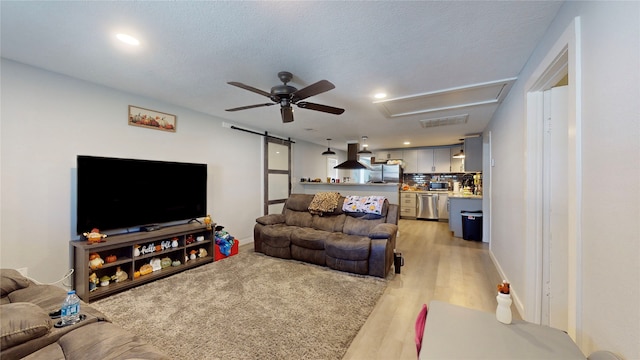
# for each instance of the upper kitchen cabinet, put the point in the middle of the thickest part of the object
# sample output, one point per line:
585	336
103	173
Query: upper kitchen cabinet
410	158
384	155
434	160
457	164
473	154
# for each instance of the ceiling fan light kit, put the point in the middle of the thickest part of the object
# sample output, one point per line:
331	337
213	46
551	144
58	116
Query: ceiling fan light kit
287	95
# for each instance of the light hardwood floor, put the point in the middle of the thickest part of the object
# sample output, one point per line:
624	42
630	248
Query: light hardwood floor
437	266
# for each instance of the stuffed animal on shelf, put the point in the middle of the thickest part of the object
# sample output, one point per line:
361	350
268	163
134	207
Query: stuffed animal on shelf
94	236
120	275
202	252
95	261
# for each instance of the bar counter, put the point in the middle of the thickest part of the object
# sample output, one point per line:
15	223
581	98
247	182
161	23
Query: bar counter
389	190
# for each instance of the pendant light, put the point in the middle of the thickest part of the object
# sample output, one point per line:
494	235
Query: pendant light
329	151
365	149
459	155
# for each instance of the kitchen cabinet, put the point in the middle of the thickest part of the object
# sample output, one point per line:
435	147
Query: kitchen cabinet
410	158
473	154
435	160
457	165
407	205
384	155
443	206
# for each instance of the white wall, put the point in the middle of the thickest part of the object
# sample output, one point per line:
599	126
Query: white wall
609	295
48	119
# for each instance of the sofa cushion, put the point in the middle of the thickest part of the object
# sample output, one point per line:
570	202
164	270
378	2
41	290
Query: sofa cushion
328	223
358	226
347	247
309	238
277	235
298	218
271	219
11	280
98	341
298	202
21	322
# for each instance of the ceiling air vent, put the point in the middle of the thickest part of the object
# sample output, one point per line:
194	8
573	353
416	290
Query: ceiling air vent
444	121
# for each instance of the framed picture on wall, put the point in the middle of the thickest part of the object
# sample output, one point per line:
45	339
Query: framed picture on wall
151	119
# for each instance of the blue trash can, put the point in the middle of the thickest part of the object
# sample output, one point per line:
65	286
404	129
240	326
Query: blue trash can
472	225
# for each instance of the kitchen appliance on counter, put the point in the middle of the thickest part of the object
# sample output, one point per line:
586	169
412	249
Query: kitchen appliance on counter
385	173
438	186
427	206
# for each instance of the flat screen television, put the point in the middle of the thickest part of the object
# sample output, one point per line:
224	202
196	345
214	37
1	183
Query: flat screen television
116	193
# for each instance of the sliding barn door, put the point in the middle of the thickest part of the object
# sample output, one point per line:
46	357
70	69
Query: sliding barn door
277	177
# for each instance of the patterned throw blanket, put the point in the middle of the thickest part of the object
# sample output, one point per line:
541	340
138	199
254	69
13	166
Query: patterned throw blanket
324	202
364	204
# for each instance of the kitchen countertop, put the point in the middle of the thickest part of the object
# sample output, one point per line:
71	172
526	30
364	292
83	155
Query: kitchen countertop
348	184
450	193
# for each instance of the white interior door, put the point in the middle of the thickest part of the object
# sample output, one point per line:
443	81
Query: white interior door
555	217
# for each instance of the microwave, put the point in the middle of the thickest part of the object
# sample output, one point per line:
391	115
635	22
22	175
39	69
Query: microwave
439	186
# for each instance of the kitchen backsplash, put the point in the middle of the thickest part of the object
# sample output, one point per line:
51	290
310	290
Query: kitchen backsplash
421	180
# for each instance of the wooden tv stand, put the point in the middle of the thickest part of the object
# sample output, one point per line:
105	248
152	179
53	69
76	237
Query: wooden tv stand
123	247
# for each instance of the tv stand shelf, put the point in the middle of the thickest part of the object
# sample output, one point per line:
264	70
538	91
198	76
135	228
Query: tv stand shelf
179	242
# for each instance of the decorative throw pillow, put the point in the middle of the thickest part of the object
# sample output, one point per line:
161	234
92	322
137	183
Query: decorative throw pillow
21	322
11	280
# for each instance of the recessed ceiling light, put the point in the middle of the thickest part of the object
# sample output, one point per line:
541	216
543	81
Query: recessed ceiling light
407	142
128	39
380	95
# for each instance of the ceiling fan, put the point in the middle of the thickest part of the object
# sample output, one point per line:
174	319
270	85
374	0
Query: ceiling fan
287	95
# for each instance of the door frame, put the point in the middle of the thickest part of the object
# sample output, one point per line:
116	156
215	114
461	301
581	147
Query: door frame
563	57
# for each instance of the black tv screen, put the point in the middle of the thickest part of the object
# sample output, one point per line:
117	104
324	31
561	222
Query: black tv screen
124	193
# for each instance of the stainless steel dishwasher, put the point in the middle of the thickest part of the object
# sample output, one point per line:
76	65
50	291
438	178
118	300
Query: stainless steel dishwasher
427	206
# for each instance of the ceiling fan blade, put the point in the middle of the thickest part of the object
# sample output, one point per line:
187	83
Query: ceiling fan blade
250	88
250	107
319	107
287	114
311	90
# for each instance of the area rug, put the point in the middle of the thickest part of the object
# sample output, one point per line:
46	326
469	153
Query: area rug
248	306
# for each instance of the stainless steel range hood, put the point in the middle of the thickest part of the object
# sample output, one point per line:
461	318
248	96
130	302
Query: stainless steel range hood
352	162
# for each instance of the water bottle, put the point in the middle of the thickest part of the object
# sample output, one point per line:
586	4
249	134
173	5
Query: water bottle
70	311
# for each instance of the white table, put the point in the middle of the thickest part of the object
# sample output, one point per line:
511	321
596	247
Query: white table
455	332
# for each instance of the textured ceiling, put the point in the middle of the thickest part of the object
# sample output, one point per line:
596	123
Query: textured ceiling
190	50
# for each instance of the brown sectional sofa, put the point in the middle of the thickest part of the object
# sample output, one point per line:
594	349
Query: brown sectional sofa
27	331
354	242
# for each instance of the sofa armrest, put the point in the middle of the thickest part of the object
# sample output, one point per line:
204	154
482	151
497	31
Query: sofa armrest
383	231
271	219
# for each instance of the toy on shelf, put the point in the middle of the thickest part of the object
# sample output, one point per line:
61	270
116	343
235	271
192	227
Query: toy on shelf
136	250
202	252
119	275
110	259
104	281
95	261
207	221
93	282
193	254
94	236
189	240
174	242
165	262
